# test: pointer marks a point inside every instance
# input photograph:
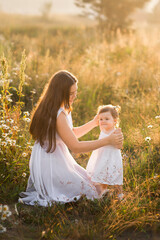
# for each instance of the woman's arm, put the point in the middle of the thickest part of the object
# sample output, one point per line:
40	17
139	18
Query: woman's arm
82	130
77	146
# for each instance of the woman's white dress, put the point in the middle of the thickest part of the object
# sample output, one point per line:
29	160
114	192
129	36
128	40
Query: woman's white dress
56	177
105	165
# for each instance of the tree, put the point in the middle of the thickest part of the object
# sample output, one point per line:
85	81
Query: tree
155	15
46	9
111	14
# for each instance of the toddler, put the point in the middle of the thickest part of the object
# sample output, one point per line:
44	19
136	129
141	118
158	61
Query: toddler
105	164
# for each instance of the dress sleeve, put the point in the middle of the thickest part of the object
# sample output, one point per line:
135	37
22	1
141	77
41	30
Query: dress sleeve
59	111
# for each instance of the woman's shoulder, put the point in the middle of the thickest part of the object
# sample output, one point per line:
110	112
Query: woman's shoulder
61	110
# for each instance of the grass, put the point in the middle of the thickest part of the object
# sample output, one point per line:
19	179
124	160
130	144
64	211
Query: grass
121	70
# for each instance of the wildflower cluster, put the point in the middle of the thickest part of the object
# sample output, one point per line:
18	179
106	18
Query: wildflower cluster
4	211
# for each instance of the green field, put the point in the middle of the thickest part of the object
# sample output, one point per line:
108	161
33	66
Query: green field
113	68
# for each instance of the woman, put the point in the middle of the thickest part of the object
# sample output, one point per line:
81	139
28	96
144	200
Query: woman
54	174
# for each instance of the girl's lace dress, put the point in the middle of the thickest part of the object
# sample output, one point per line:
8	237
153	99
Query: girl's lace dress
105	165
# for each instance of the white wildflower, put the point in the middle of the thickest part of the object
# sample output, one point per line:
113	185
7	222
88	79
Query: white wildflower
0	208
5	208
8	213
24	174
4	126
4	135
156	175
149	126
26	113
27	120
2	121
2	229
43	233
147	139
10	120
33	91
15	128
24	154
4	143
4	216
157	117
118	73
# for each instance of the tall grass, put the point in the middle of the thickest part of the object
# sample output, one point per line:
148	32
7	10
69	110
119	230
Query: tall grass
123	70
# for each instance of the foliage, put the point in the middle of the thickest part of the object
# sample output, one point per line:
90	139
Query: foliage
111	14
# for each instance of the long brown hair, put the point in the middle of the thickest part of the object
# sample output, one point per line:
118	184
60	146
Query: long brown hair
43	120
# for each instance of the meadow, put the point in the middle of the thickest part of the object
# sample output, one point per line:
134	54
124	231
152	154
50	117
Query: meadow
121	69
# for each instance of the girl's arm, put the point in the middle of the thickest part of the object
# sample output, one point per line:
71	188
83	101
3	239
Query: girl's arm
82	130
77	146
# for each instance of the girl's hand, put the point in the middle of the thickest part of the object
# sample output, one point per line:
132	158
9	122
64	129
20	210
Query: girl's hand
96	120
116	138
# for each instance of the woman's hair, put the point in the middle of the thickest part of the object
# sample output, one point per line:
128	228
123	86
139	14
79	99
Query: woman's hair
114	110
43	120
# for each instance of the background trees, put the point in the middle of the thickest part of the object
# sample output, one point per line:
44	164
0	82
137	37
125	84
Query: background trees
111	14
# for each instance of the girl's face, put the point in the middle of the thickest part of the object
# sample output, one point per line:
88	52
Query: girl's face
106	121
73	93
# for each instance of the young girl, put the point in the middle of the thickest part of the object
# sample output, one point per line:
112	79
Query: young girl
105	164
54	175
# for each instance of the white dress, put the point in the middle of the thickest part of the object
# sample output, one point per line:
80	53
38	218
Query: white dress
105	165
56	177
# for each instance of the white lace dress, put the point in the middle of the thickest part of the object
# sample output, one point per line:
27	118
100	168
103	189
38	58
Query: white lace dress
56	177
105	165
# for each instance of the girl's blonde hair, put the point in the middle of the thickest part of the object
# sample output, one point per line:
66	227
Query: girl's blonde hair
114	110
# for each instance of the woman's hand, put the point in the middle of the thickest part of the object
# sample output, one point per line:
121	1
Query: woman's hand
96	120
116	138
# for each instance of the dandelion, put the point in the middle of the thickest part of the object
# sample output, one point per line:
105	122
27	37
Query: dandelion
149	126
147	139
157	117
24	174
2	229
24	154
